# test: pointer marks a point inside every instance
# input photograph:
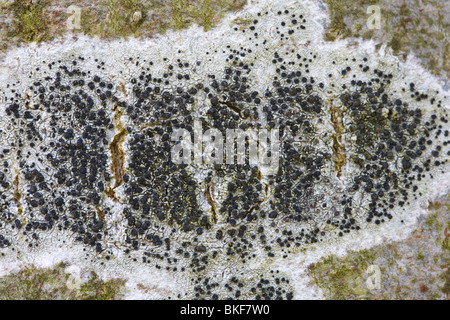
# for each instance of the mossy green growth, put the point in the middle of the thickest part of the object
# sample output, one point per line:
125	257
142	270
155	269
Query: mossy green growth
33	283
205	13
123	18
29	23
396	42
243	21
97	289
344	278
445	245
446	248
44	20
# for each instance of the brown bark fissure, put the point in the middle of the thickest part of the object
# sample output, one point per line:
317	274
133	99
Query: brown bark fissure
17	194
117	156
100	214
339	156
233	107
111	194
208	194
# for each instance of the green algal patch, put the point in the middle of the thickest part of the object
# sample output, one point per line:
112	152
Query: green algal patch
97	289
421	256
32	283
177	8
205	13
433	222
446	288
29	22
124	18
446	249
340	11
344	278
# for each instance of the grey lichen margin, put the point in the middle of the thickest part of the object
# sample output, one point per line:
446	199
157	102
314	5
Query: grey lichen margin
32	283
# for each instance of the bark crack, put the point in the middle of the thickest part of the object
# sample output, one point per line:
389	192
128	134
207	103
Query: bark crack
339	155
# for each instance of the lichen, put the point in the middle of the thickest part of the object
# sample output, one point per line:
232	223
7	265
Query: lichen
342	279
45	20
29	23
446	288
119	21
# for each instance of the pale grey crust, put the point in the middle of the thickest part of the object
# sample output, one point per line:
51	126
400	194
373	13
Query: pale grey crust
332	137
